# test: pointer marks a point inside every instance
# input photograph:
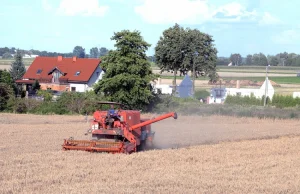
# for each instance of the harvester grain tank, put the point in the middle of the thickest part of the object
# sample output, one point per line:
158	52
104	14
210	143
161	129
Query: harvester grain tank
117	131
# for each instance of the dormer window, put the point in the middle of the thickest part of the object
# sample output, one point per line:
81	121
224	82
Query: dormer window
77	73
39	71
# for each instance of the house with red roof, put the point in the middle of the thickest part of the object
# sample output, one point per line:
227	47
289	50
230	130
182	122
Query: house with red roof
63	74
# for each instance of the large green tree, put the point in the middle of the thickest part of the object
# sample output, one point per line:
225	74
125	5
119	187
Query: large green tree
79	51
199	54
169	53
183	50
103	51
236	59
17	69
260	59
127	72
249	60
94	52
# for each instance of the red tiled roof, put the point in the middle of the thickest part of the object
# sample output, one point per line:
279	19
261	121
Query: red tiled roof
67	66
25	81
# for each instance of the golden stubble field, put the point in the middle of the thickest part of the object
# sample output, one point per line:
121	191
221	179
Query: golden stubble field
213	154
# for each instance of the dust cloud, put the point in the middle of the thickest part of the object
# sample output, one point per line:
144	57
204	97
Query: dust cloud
196	130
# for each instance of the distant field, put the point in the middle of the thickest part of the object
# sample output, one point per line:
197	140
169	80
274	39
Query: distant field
278	80
27	62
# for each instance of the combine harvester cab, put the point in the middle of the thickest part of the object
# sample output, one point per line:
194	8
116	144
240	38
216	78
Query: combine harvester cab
117	131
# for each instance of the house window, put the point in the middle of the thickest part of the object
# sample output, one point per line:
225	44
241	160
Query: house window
39	71
97	73
219	93
77	73
73	89
56	76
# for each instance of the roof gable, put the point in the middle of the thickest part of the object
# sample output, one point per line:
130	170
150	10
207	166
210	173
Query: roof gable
43	67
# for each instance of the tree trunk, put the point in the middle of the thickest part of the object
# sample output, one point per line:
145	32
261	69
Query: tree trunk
174	83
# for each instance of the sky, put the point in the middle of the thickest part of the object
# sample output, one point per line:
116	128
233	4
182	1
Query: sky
241	26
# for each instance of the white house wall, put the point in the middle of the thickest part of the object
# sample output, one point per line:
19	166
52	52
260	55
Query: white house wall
79	87
164	88
94	78
97	75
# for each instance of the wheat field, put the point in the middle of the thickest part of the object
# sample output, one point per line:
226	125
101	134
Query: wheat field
193	154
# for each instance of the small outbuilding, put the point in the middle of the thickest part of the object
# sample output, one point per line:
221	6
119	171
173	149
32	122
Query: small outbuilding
185	88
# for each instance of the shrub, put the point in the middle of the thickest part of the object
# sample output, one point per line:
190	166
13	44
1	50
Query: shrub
243	100
6	92
201	94
17	105
46	94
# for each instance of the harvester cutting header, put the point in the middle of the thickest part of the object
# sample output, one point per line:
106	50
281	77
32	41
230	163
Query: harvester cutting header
117	131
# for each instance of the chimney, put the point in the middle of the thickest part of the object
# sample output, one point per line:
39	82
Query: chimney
59	58
74	59
238	84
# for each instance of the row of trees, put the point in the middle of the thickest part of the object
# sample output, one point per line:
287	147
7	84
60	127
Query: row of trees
259	59
79	51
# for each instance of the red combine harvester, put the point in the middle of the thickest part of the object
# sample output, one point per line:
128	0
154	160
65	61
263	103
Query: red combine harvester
117	131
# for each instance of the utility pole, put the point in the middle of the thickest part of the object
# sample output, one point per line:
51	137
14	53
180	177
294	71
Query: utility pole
266	85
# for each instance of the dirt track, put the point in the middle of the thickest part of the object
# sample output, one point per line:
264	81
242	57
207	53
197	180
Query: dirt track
31	159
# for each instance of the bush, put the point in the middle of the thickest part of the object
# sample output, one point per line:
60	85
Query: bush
79	103
46	94
17	105
280	101
6	92
201	94
49	108
243	100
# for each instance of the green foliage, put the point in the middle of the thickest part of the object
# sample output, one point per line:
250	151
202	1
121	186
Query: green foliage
17	105
103	51
236	59
78	102
5	77
17	69
6	92
222	61
243	100
94	52
259	59
79	51
46	94
36	85
249	60
281	101
201	94
127	72
7	56
49	108
184	50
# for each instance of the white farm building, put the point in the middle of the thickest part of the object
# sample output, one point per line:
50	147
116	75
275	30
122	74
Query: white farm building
218	95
